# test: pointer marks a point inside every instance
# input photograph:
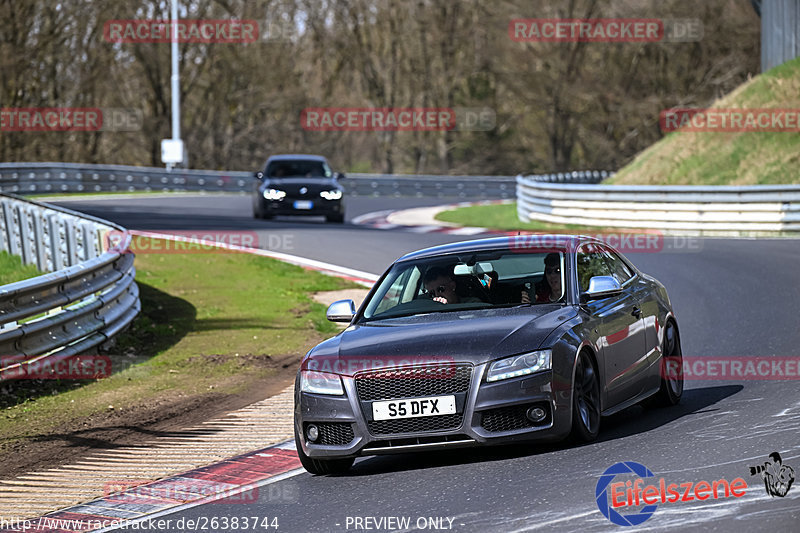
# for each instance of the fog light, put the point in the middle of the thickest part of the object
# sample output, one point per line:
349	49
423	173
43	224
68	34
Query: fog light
536	414
312	432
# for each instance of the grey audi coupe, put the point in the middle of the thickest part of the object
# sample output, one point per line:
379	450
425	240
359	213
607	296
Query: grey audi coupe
489	341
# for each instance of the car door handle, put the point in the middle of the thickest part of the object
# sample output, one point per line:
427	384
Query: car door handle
636	311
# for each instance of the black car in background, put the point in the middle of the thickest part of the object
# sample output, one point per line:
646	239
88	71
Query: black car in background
298	184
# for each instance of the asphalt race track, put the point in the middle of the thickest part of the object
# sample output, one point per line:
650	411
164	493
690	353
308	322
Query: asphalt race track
732	297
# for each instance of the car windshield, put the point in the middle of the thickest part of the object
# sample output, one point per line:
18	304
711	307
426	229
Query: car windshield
295	168
484	280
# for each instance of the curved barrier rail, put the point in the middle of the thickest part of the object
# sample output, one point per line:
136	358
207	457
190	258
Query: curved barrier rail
756	208
88	296
30	178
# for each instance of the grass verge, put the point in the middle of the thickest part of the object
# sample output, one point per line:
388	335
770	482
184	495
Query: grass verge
503	217
738	158
212	325
12	269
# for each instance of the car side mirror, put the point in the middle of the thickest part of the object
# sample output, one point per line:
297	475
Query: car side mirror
340	176
602	287
258	175
341	311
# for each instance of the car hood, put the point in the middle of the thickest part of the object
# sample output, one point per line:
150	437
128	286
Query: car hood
302	180
474	336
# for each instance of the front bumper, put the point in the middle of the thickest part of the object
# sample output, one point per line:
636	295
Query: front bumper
492	413
286	206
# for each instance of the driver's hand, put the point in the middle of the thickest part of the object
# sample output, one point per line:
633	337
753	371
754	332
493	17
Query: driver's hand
526	299
440	299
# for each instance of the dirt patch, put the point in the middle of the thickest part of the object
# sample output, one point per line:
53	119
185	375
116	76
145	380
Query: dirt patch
328	297
167	412
133	426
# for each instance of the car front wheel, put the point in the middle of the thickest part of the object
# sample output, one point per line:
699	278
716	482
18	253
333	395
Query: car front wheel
671	369
322	467
586	400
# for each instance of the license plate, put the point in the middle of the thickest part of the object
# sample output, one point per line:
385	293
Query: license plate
303	204
414	407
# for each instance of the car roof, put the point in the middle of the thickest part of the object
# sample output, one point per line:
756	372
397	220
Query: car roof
293	157
520	243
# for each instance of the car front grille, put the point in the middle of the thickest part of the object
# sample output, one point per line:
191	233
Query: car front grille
415	425
511	418
334	433
413	382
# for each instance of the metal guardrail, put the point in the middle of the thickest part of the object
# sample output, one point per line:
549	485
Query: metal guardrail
578	176
27	178
754	208
88	296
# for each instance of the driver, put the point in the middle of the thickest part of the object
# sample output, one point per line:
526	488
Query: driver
551	290
440	283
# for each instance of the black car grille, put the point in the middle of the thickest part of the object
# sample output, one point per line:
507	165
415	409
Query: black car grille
511	418
334	433
414	425
411	382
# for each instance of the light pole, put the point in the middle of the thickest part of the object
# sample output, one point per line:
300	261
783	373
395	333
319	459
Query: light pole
172	149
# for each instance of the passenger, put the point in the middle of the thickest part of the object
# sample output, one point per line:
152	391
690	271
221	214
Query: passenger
551	290
440	283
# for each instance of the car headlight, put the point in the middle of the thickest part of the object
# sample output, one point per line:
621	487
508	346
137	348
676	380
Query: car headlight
320	382
520	365
273	194
331	195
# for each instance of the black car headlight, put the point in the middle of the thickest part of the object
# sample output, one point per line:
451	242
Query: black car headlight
520	365
331	195
273	194
321	383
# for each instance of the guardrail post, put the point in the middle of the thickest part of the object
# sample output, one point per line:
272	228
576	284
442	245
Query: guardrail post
56	239
89	241
26	236
8	235
38	241
72	242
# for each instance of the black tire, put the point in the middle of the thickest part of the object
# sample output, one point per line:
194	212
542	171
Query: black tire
337	219
322	467
671	382
585	400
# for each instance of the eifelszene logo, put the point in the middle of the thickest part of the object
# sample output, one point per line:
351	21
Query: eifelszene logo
632	494
778	477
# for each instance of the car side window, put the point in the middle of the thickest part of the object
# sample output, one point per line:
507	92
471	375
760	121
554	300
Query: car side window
617	266
591	263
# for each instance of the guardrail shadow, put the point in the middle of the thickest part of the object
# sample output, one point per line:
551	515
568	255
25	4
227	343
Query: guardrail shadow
163	321
631	421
